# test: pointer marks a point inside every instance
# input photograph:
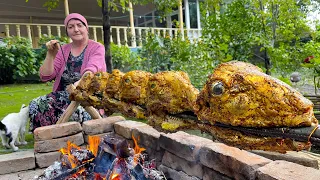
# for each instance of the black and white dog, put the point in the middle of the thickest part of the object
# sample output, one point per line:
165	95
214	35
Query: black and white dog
13	127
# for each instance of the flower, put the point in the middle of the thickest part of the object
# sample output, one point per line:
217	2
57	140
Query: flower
307	60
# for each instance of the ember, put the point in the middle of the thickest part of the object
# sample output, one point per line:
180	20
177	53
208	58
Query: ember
108	158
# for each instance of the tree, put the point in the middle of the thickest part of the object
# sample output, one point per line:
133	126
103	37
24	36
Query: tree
234	28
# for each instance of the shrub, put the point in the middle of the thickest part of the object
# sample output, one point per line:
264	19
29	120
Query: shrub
124	59
17	59
162	54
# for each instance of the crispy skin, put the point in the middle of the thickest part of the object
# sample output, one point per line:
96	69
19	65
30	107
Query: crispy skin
112	87
252	99
133	87
170	92
90	90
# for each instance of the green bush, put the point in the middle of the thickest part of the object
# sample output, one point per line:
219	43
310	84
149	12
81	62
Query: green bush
164	54
124	59
17	59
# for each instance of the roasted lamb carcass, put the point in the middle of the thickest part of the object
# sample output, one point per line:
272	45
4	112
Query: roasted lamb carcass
239	105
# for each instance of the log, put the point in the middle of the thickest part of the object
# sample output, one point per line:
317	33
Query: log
93	112
69	111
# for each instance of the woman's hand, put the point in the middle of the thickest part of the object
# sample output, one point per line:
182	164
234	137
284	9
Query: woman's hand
53	48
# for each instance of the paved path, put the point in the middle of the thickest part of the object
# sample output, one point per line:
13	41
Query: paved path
23	175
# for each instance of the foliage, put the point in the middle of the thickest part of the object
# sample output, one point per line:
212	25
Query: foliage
233	29
162	54
312	61
124	59
17	59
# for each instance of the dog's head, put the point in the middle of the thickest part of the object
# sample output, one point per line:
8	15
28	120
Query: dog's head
24	109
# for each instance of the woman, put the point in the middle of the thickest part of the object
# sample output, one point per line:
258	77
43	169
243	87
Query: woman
66	65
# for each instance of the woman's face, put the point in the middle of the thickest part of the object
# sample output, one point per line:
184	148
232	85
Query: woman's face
76	30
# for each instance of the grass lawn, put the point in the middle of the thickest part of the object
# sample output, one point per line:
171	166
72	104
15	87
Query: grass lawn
13	96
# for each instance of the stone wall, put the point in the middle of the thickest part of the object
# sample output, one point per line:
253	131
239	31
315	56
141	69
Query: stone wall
179	155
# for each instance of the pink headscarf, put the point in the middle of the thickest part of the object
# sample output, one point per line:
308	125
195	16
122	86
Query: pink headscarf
75	16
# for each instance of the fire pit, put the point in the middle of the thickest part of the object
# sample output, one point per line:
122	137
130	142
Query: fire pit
178	155
110	157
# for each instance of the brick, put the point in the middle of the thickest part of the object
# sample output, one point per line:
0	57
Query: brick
180	164
210	174
176	175
231	161
291	156
100	126
56	144
86	137
286	171
17	161
46	159
124	128
56	131
183	144
147	137
154	154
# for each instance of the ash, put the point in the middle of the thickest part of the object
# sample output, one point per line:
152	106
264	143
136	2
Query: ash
82	154
51	171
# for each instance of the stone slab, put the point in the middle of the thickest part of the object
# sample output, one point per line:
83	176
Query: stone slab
86	137
147	136
17	161
46	159
99	126
56	144
210	174
124	128
174	162
291	156
231	161
176	175
23	175
183	144
10	177
286	171
56	131
30	175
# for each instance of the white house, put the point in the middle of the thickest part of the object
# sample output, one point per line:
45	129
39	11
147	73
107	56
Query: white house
32	20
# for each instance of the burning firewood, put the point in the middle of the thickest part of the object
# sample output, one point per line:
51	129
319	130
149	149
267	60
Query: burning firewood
126	163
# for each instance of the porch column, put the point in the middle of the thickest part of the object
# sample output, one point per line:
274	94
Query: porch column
153	19
133	32
198	14
181	19
66	7
187	14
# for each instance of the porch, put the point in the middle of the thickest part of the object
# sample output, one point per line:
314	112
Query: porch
120	35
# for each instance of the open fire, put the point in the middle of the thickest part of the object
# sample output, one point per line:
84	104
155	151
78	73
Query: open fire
108	158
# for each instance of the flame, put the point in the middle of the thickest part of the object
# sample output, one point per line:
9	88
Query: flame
137	148
67	151
94	142
115	176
